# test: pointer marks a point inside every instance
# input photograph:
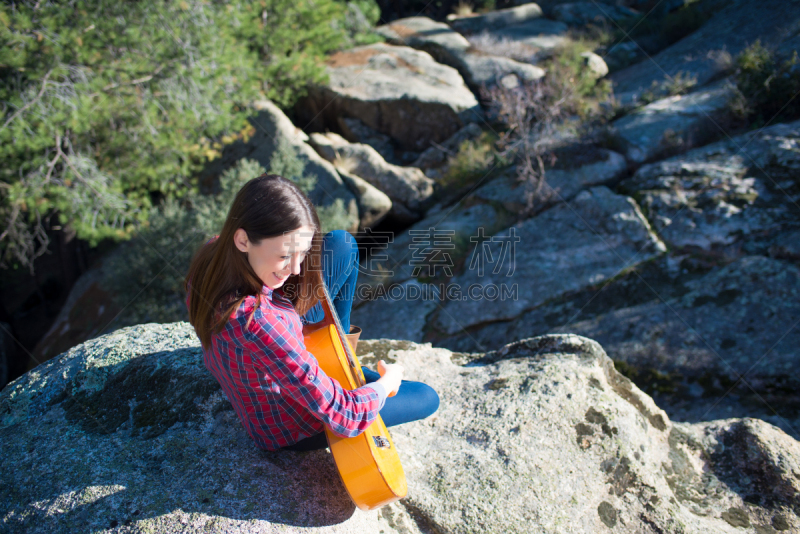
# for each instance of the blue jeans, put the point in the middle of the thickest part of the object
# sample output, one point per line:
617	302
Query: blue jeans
414	400
339	272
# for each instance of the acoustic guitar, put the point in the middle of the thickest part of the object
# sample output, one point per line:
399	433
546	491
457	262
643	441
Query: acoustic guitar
368	464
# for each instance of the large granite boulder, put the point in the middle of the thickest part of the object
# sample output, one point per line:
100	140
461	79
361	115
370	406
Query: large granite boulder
739	24
740	192
373	204
434	245
446	234
673	124
272	127
129	433
422	33
408	187
530	41
438	245
395	90
399	310
735	321
500	18
479	69
594	237
356	131
504	426
575	169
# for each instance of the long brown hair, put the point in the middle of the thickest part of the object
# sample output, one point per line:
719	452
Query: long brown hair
220	274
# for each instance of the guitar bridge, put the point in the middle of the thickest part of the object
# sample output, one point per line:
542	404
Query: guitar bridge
382	442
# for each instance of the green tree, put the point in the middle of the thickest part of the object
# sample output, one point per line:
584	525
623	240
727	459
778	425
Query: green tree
110	107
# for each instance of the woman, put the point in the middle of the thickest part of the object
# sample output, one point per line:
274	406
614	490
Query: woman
255	286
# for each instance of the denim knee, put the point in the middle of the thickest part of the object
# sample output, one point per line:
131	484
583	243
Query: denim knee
341	244
428	398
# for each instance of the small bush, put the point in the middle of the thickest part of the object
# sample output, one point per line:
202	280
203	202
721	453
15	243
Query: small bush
676	85
537	114
286	163
473	160
580	91
769	86
333	216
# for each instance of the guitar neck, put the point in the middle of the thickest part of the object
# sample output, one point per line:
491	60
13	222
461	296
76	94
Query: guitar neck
332	318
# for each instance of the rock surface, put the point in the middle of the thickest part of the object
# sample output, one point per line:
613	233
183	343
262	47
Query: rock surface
434	245
530	41
580	13
6	348
672	124
596	65
394	90
592	238
400	311
271	124
436	156
735	321
739	24
422	33
128	432
574	171
479	70
621	55
373	204
482	71
495	19
404	185
356	131
741	191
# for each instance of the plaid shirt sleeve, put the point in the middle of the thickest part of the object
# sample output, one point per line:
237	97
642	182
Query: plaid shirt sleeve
296	372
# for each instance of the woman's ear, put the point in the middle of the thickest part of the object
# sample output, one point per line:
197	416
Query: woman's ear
240	240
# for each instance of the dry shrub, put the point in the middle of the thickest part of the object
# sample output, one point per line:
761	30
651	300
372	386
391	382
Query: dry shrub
679	84
769	85
539	115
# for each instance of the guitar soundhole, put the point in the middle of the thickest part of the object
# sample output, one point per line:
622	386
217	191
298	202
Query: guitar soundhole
382	442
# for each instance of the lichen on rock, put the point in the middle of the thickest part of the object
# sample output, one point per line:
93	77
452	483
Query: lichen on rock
129	433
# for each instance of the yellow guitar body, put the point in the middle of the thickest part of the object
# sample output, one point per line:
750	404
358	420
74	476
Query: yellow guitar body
368	464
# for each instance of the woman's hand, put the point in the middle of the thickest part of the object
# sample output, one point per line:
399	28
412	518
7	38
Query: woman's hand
391	376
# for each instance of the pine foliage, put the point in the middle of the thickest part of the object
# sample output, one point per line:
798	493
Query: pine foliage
110	107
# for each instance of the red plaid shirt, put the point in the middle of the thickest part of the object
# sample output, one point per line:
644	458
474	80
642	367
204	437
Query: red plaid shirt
275	385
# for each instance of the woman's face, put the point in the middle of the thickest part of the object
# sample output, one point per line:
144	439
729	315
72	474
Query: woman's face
276	258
